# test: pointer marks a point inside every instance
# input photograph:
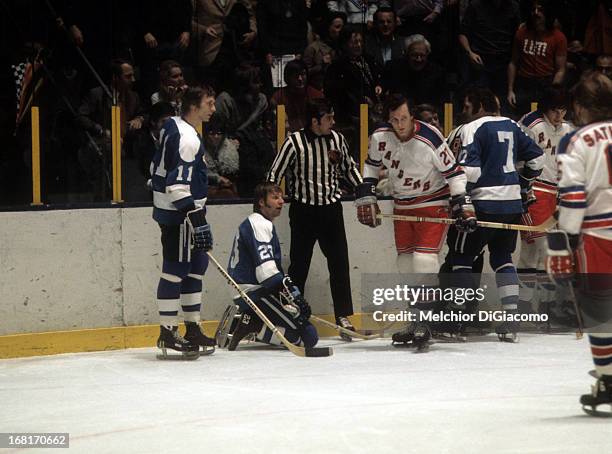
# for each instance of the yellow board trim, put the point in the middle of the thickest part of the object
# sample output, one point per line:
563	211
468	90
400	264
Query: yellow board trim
116	149
104	339
363	135
36	198
448	118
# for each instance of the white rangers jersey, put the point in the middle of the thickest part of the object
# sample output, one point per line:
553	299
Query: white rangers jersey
585	185
454	140
422	170
547	137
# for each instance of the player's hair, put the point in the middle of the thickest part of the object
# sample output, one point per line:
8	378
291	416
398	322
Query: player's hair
553	98
393	102
594	93
293	68
485	98
261	193
317	108
166	67
193	96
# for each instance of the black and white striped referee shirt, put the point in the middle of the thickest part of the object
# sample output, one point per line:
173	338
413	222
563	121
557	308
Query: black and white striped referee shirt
314	176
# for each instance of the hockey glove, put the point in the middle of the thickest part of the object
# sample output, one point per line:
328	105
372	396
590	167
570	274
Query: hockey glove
200	230
464	213
560	264
528	198
296	304
367	205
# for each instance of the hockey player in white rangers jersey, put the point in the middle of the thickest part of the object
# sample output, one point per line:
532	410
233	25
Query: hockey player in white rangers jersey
424	176
546	126
583	243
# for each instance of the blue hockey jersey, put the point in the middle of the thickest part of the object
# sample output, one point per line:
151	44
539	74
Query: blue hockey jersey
255	260
179	173
491	149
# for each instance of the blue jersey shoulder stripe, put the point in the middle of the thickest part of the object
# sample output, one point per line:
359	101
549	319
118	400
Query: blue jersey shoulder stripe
531	117
427	132
564	142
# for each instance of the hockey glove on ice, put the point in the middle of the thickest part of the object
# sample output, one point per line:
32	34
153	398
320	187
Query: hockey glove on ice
367	205
200	230
464	213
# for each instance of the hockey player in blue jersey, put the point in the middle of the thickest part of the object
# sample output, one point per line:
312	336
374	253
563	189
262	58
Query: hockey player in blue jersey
255	264
180	188
492	146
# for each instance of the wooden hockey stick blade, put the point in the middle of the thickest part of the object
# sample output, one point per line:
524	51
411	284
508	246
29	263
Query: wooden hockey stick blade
295	349
492	225
344	330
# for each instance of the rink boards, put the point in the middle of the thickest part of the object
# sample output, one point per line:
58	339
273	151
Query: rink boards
85	280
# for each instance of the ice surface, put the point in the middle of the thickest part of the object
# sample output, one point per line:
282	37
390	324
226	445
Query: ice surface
478	397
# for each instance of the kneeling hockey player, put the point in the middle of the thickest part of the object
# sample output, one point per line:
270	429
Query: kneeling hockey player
255	263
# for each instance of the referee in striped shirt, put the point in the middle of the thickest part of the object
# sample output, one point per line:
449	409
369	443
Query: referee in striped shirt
315	159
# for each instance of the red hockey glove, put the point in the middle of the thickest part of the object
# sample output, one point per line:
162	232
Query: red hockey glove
367	205
560	264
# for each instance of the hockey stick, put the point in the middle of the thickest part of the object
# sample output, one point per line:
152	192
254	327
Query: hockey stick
344	330
572	296
491	225
296	350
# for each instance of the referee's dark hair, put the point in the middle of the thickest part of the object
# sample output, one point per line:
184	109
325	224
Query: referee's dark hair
193	96
261	193
393	102
317	108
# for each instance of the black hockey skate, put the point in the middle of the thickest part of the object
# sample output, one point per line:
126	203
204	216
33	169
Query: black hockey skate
508	330
346	324
415	335
171	339
601	394
248	324
195	335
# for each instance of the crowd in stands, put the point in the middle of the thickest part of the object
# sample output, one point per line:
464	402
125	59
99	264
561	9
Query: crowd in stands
75	59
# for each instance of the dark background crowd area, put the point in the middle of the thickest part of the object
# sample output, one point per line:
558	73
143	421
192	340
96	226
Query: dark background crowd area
75	59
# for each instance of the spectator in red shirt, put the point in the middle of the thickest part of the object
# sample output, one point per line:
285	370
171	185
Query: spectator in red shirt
539	56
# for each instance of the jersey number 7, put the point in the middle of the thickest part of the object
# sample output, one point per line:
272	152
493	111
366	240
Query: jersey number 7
502	137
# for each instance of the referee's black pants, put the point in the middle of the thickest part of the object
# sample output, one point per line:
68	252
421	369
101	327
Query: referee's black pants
324	224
